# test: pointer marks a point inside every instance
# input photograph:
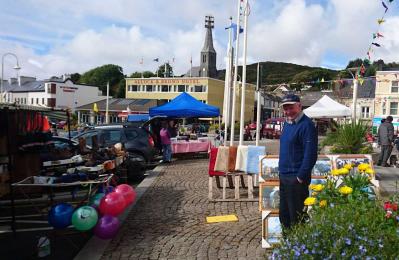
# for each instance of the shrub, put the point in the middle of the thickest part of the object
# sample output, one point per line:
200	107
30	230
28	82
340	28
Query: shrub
345	231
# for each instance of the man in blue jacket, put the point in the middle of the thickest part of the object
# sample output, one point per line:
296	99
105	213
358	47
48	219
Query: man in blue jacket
298	155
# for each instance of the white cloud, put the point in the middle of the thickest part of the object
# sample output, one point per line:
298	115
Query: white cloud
75	36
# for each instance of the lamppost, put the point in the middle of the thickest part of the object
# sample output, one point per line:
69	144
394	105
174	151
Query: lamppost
355	85
16	67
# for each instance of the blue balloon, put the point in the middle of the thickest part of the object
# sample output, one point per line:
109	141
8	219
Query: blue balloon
107	189
60	215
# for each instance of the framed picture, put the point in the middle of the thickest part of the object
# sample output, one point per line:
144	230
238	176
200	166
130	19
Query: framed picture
354	159
271	229
323	166
269	196
268	168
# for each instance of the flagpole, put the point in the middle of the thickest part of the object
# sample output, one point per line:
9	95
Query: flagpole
258	107
244	72
233	113
191	65
226	103
106	106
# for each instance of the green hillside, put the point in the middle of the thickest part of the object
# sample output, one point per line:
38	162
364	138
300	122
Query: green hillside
280	72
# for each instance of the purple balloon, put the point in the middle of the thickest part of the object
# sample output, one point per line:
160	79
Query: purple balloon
107	227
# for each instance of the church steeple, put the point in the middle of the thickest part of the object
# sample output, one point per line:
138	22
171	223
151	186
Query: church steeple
208	53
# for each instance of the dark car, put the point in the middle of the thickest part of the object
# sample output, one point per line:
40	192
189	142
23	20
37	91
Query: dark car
137	141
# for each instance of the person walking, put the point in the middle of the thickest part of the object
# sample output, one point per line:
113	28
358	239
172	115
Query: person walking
166	143
298	155
385	139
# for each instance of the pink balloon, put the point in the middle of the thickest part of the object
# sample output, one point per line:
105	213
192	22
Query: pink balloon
127	192
112	204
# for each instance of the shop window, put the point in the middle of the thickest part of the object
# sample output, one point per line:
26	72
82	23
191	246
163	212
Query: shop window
393	109
394	87
148	88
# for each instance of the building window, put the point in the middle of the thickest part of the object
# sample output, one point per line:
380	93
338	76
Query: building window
181	88
164	88
51	102
133	88
204	58
384	108
365	112
148	88
31	101
37	101
393	109
394	88
51	88
85	118
42	101
198	89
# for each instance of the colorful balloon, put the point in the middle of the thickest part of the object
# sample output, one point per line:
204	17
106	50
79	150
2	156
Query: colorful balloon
112	204
107	227
127	192
95	200
84	218
60	215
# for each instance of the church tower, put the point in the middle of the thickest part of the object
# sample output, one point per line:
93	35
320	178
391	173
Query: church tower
208	53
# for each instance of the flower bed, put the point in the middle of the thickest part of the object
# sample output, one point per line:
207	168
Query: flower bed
346	220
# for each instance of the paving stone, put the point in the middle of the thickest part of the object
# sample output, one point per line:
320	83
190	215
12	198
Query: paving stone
168	222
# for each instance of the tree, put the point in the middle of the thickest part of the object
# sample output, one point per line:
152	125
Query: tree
355	63
145	74
100	76
161	70
121	89
75	77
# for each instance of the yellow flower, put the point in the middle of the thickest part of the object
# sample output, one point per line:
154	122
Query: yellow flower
323	203
318	187
310	201
370	171
363	167
335	172
311	186
314	194
348	166
345	190
343	171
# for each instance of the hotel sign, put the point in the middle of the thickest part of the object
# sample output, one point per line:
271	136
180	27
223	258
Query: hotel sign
164	81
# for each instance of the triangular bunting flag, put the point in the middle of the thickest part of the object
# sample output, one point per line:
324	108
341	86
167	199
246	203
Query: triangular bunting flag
361	80
380	21
376	44
385	6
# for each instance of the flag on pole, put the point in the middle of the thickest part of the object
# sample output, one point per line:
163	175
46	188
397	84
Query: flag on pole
234	27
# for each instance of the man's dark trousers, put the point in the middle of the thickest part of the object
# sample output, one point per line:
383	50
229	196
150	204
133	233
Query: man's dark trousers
386	151
292	197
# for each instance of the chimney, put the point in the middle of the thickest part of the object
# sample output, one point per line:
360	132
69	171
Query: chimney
23	79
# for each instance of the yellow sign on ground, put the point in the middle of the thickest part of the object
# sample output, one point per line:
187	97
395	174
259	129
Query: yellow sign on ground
225	218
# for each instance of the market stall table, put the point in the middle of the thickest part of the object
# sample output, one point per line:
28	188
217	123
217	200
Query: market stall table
191	146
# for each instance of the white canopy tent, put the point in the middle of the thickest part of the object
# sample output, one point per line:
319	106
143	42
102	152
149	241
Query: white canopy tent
326	107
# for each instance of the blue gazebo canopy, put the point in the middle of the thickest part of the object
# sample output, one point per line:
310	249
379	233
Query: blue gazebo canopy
185	105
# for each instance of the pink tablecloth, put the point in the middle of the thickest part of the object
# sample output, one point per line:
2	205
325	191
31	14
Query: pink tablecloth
191	147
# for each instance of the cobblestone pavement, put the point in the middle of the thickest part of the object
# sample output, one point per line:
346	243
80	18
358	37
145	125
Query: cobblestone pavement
168	222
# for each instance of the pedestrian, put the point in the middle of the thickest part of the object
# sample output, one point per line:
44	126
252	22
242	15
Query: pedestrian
298	155
385	140
166	143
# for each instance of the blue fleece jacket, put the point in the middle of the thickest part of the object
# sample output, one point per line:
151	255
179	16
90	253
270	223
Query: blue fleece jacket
298	149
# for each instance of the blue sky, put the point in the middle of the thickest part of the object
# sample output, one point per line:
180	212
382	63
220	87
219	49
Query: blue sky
57	37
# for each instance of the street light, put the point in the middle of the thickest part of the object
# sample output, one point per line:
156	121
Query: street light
16	67
355	85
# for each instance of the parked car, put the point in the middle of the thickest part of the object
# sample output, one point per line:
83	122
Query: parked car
272	127
136	140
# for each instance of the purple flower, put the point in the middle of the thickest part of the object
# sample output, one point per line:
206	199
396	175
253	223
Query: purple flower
362	249
348	241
